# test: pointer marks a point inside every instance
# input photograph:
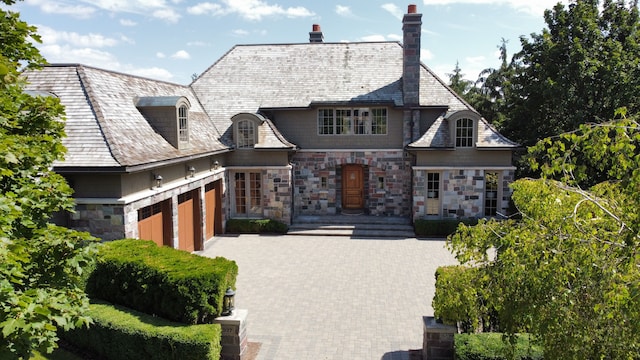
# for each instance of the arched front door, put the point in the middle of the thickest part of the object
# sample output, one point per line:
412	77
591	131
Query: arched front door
352	186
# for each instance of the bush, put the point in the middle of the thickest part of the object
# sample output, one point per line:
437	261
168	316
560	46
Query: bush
161	281
441	228
256	226
491	346
459	301
122	333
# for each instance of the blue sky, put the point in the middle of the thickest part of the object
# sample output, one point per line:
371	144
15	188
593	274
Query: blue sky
173	39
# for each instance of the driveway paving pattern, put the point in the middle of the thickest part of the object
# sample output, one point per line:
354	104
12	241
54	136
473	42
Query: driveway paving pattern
333	297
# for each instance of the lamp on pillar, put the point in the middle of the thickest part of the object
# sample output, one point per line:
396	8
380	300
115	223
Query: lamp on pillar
228	303
158	180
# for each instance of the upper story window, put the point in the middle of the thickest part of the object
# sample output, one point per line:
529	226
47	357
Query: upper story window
183	123
245	134
347	121
464	132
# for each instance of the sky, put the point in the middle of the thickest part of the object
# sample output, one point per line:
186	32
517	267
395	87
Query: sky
173	40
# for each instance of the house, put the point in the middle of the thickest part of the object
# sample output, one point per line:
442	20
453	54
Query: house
275	131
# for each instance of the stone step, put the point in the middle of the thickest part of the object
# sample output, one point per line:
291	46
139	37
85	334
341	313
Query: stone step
356	233
353	226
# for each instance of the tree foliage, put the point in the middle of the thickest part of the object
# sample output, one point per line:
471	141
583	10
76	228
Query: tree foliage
568	271
580	69
40	264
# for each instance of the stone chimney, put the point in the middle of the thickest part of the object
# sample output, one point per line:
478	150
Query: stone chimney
411	30
315	36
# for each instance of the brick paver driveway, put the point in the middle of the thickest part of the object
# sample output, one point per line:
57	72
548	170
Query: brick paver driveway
313	297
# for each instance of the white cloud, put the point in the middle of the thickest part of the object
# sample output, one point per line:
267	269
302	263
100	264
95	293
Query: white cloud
51	7
197	43
159	9
160	55
533	7
343	10
240	32
51	36
182	55
394	37
253	10
394	10
369	38
425	54
127	22
155	73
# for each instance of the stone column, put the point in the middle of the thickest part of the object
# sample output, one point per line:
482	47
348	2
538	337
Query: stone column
438	340
234	335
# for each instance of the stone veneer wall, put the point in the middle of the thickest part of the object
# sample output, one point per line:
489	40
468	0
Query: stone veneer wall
462	192
105	221
310	198
277	194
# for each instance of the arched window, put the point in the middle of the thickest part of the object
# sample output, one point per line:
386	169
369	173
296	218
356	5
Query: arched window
246	134
464	132
183	123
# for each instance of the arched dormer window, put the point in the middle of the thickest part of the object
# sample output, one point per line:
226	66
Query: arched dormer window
246	134
464	132
183	123
246	129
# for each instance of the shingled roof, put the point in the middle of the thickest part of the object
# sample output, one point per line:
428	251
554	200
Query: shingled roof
253	77
104	127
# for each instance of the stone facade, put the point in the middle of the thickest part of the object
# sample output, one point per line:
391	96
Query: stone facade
277	196
318	182
102	220
462	192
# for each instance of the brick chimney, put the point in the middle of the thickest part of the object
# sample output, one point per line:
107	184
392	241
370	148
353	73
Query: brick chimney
315	36
411	30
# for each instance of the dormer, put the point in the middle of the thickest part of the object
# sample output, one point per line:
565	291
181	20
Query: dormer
169	116
464	129
246	130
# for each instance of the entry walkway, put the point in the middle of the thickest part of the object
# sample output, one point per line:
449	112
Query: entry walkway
333	297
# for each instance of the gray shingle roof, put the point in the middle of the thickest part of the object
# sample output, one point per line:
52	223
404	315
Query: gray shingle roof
104	127
251	77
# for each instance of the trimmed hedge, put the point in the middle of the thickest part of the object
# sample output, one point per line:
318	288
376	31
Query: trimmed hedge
256	226
440	228
122	333
162	281
491	346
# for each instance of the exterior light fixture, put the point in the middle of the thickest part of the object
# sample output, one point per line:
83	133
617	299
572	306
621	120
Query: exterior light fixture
216	165
191	170
228	303
158	180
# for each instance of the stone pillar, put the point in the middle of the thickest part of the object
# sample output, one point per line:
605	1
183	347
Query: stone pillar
437	342
234	335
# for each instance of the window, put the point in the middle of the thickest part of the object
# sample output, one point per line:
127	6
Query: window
183	123
148	211
246	134
248	193
363	121
464	132
433	194
490	194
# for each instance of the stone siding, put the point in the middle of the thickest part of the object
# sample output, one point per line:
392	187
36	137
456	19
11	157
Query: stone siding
313	197
105	221
277	195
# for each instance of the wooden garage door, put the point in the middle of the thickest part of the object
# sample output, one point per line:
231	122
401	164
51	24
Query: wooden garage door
151	224
186	234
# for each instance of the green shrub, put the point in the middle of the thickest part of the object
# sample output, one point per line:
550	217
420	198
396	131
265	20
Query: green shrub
122	333
459	301
491	346
256	226
441	228
161	281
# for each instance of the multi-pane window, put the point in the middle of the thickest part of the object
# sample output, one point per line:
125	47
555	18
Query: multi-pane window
248	189
362	121
464	132
490	194
183	123
433	194
246	133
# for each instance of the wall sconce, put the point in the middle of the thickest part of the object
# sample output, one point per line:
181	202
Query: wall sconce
158	180
191	171
216	165
228	303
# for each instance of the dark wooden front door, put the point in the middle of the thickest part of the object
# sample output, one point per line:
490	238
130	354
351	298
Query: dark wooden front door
352	187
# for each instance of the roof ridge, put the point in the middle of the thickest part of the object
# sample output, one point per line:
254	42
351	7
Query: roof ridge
86	87
77	65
